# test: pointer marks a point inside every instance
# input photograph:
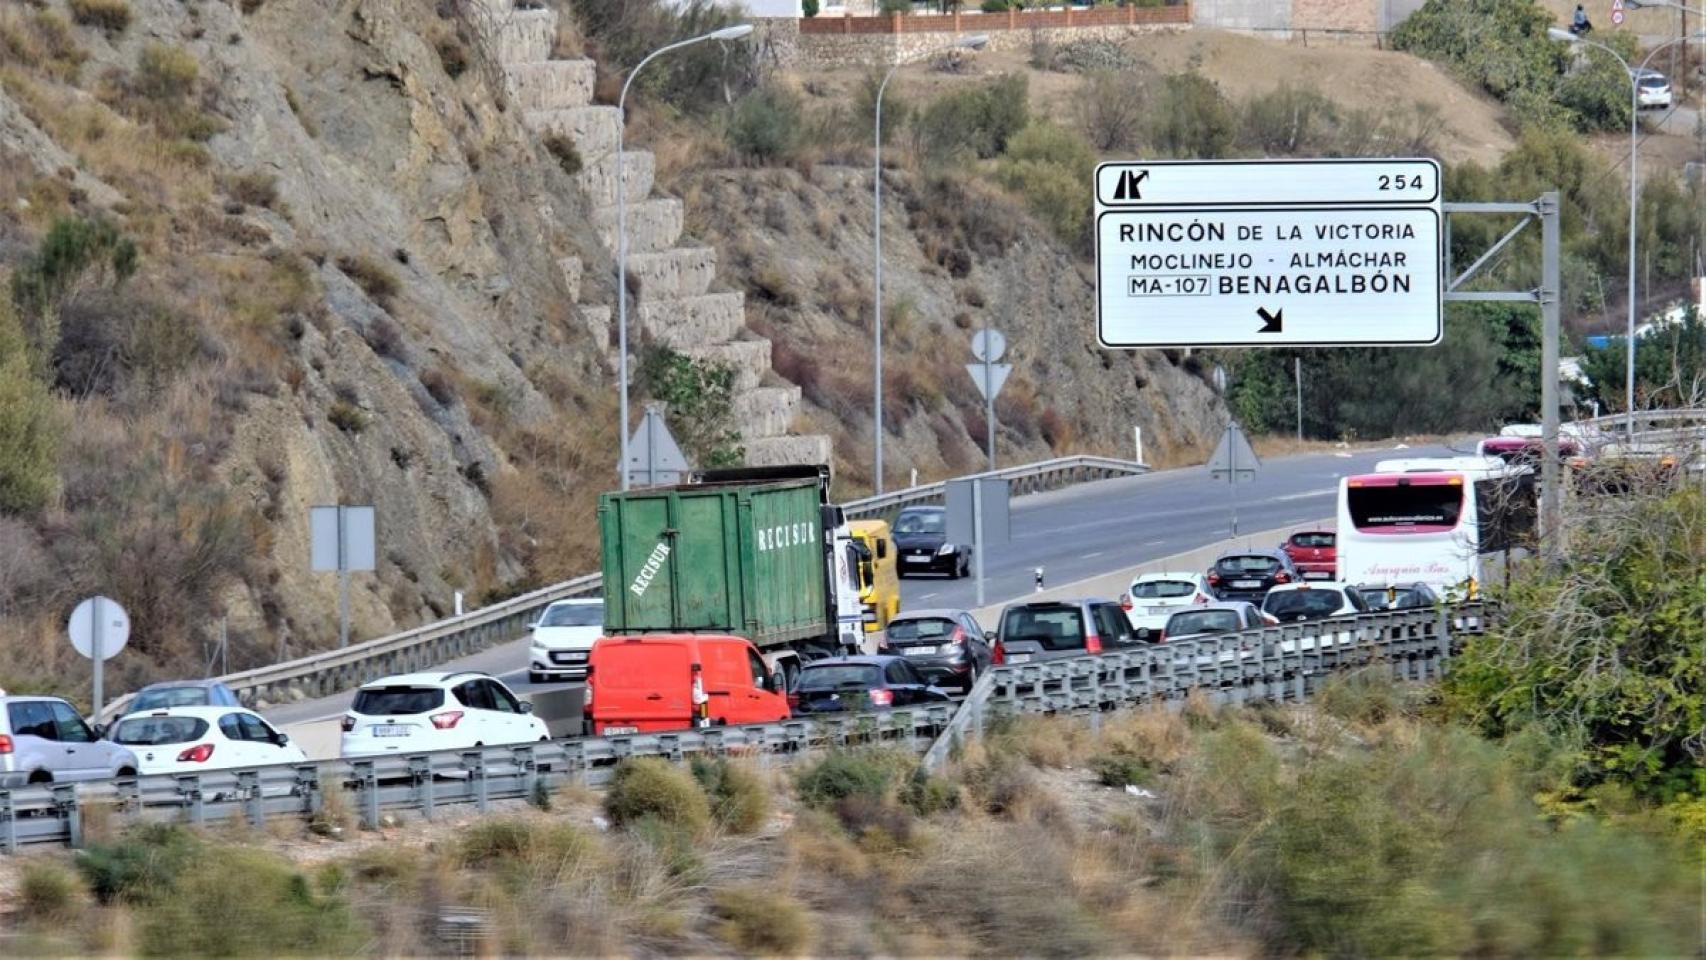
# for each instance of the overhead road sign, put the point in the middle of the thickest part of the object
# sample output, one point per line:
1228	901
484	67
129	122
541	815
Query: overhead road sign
1258	253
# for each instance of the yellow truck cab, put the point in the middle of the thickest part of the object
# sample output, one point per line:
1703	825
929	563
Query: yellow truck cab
879	577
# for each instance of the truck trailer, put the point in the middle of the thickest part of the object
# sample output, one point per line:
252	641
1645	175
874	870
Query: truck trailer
758	553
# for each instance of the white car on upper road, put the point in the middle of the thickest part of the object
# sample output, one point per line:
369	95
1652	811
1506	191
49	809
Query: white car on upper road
562	637
181	740
421	712
1313	600
1154	597
1652	89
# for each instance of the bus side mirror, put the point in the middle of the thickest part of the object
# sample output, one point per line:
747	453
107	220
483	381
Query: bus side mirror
882	549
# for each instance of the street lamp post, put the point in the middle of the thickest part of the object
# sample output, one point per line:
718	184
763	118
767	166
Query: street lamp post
1635	74
975	42
735	32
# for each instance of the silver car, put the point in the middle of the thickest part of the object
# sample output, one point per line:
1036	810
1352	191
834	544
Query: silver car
44	740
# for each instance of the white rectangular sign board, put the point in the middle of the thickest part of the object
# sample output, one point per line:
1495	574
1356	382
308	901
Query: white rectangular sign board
1268	253
359	548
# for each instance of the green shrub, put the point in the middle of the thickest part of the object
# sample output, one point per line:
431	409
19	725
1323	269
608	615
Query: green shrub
29	426
1369	696
651	787
141	866
1119	770
699	76
1048	166
112	16
739	801
756	920
925	794
372	277
766	125
165	73
73	253
977	122
563	150
851	773
809	8
253	189
1190	118
699	398
887	7
234	901
346	416
48	893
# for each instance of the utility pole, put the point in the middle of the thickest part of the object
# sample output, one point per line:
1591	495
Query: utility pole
1551	304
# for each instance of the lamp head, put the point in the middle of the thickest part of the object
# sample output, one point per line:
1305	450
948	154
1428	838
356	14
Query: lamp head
1561	35
976	41
735	32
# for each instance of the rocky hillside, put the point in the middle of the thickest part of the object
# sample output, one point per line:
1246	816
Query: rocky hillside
269	254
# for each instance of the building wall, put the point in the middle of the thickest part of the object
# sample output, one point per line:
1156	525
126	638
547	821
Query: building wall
1258	15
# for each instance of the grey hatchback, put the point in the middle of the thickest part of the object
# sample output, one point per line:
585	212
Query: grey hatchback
44	740
946	646
1053	629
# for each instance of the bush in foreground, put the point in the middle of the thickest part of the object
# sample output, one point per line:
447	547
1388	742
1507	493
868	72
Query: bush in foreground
648	787
739	801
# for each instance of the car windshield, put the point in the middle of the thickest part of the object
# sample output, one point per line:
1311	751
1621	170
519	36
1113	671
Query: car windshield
1248	564
1203	621
1306	603
165	698
573	615
1053	626
837	676
933	628
933	521
1313	541
158	731
1403	597
1162	589
397	701
1653	83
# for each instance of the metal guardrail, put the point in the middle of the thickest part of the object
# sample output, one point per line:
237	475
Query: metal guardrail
1281	664
322	674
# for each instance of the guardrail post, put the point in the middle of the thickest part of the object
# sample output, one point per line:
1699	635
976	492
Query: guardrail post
308	788
420	770
189	788
65	808
474	761
8	823
368	777
249	785
529	764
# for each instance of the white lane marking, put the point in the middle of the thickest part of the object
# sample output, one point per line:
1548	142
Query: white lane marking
1091	555
1152	543
927	596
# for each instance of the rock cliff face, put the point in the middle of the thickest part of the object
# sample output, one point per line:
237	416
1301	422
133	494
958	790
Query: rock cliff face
389	235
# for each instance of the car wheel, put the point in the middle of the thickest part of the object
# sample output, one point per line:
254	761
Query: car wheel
534	676
41	776
126	773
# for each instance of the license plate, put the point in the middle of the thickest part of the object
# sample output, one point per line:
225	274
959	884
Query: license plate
575	657
390	730
1018	658
1317	575
917	559
1155	610
918	651
620	731
1247	584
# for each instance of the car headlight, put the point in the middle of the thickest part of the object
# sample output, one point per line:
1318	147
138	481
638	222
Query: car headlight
946	549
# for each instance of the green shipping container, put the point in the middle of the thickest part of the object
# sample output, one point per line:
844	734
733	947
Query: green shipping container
740	558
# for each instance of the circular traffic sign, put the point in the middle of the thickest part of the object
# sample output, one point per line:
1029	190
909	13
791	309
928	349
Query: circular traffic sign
988	345
1219	378
113	623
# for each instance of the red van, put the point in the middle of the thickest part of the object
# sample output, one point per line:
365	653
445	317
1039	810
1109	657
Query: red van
676	681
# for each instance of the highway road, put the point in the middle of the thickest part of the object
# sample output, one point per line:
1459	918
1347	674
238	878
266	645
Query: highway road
1072	534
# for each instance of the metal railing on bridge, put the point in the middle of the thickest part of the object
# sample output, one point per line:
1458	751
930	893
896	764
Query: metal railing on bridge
1280	664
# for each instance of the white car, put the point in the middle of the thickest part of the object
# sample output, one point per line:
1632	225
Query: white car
1313	600
1154	597
421	712
562	637
1222	616
1652	89
199	739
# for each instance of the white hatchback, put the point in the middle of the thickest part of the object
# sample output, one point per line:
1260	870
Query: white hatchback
1313	600
180	740
421	712
1154	597
562	638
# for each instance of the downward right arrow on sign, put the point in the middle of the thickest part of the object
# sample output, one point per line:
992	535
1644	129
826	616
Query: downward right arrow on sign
1270	321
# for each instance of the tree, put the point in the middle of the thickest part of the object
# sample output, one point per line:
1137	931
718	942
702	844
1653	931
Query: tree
699	399
29	425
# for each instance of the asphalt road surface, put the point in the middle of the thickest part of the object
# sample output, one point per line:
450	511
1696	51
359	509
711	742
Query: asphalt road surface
1072	534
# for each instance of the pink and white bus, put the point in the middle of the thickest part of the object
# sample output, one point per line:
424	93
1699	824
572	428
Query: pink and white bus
1431	520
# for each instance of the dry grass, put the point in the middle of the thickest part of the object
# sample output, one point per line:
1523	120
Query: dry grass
41	40
113	16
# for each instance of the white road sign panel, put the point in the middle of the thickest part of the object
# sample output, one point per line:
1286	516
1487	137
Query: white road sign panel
1266	183
1234	271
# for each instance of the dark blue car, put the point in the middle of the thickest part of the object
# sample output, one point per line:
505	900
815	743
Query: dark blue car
861	683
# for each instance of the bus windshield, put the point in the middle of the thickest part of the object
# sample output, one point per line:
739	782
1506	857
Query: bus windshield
1391	508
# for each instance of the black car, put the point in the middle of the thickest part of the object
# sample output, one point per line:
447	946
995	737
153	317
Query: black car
946	646
1052	629
1250	574
921	537
1398	596
860	683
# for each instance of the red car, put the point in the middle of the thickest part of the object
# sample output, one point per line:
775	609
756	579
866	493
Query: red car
1315	553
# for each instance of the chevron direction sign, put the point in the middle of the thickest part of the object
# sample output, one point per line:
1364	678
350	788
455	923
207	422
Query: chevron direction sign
1268	253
